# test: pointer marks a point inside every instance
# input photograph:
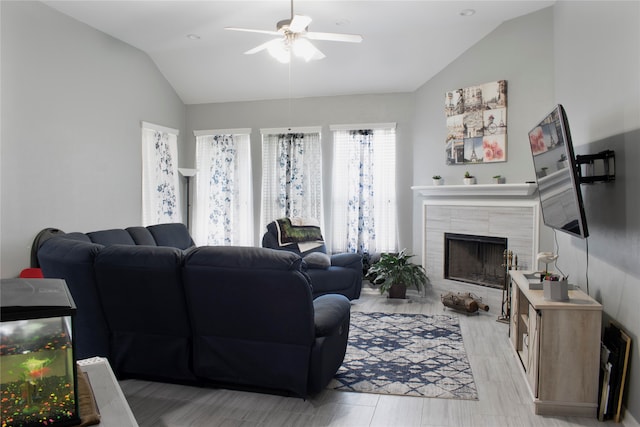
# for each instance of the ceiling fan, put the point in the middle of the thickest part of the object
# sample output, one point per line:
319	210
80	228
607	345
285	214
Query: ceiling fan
293	37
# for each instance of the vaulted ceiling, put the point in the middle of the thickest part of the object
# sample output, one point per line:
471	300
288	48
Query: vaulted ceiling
405	42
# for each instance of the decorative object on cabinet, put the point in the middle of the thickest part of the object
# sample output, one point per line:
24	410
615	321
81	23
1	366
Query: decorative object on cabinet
555	288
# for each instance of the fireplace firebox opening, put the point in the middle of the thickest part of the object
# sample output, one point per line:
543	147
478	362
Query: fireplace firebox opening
475	259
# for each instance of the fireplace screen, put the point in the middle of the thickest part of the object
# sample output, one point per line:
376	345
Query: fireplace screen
475	259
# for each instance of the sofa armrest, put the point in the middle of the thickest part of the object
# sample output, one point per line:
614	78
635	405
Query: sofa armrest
348	260
330	313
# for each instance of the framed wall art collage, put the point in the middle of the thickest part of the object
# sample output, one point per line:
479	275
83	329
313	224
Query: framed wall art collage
477	124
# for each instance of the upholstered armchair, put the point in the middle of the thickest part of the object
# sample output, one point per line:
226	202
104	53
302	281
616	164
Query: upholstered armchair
330	274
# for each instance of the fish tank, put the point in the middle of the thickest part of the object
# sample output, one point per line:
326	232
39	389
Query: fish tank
38	377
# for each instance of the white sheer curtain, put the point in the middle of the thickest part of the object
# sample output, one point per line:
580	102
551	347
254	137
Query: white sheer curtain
364	208
291	176
160	179
223	197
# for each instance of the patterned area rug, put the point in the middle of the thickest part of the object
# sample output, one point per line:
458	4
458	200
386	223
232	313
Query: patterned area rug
406	354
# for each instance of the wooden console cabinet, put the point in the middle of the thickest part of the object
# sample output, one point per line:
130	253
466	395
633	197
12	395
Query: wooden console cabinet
558	343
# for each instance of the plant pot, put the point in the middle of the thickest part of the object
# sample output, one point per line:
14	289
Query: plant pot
557	290
438	181
500	180
398	291
469	181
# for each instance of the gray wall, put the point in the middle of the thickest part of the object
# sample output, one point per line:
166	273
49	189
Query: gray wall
72	102
597	79
586	56
322	111
519	51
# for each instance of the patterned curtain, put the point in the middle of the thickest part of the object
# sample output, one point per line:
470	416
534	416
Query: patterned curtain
292	177
361	232
363	198
223	208
160	180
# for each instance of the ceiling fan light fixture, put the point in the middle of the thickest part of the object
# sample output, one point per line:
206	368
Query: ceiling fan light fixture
279	51
294	33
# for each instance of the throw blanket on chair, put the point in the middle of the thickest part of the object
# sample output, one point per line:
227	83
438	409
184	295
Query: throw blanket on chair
301	231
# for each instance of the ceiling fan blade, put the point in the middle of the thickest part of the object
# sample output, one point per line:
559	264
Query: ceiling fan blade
335	37
261	47
299	23
304	49
249	30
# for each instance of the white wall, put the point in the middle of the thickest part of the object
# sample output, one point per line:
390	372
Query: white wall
322	111
72	102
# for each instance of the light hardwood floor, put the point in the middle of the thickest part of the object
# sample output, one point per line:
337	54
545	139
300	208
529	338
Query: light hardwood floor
504	398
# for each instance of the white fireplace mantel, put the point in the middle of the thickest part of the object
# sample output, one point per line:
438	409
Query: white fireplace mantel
477	190
496	210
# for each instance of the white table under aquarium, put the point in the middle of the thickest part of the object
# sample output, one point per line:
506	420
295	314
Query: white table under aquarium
113	407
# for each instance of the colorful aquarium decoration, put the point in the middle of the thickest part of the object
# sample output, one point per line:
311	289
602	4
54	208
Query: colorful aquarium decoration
37	363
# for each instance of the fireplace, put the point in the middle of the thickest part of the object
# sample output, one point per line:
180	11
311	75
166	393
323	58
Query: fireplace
509	211
475	259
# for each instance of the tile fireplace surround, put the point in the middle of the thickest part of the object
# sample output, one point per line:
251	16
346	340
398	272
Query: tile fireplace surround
494	210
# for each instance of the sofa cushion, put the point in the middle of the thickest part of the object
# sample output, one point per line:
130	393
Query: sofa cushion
71	257
141	292
141	236
234	257
330	313
80	237
174	235
116	236
317	260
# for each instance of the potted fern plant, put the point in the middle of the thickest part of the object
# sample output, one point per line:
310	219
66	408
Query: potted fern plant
395	273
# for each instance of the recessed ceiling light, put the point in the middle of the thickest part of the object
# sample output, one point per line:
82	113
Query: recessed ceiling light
193	37
467	12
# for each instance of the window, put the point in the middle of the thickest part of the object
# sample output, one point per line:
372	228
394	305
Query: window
364	189
223	198
160	180
291	174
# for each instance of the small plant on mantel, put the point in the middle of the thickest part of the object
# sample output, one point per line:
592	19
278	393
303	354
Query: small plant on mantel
468	178
437	180
499	179
394	273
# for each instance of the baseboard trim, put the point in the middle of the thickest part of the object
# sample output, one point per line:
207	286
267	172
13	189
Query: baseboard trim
629	420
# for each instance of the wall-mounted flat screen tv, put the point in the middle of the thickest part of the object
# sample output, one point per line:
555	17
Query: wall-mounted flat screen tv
557	174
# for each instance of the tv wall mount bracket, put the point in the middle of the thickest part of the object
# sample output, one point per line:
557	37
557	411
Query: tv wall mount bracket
600	167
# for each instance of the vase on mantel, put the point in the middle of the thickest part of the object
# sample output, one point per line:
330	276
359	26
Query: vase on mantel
469	181
438	181
499	180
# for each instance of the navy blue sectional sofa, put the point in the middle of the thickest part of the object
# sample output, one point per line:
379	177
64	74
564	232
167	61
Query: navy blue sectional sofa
160	308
